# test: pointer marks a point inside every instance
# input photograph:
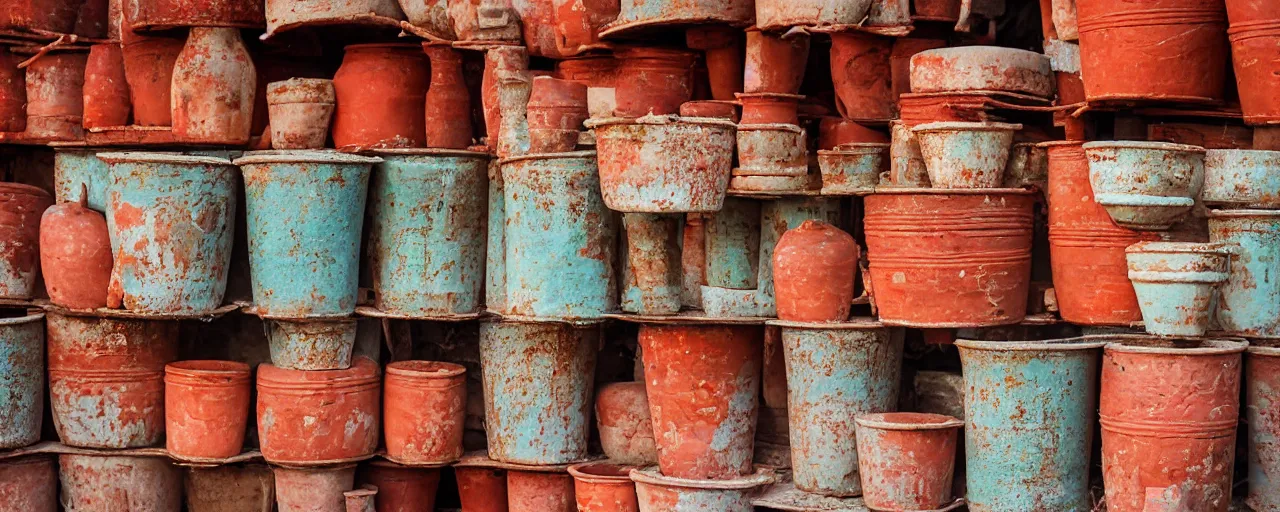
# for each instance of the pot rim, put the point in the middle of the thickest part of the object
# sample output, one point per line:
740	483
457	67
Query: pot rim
304	156
951	191
550	156
652	476
968	51
202	368
1142	144
416	47
1244	212
977	126
1157	247
19	320
623	473
768	95
654	120
771	127
1243	152
855	149
885	421
362	371
150	157
1060	143
428	152
1053	345
413	368
1263	350
1209	346
852	324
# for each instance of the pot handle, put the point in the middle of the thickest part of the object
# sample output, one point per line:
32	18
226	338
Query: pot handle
966	12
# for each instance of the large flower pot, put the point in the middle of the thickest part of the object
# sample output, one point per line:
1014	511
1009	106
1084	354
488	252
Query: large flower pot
982	68
813	273
214	88
659	492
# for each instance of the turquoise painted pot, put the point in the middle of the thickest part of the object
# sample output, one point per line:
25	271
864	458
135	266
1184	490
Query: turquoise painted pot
21	380
1145	185
1249	301
1177	284
80	169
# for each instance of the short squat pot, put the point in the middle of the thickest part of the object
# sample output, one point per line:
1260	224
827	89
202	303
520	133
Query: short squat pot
313	490
206	407
424	408
626	429
982	68
660	493
664	165
318	417
658	81
300	112
853	168
1145	185
1241	178
604	487
482	489
1177	284
21	206
382	94
544	490
769	108
362	499
965	155
772	150
311	344
906	459
813	273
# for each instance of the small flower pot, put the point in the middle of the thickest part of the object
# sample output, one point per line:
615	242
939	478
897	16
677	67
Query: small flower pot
424	407
312	345
206	408
769	108
626	429
300	110
906	460
604	487
1147	186
1177	284
853	168
965	155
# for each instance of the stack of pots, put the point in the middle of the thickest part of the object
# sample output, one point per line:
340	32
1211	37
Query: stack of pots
772	146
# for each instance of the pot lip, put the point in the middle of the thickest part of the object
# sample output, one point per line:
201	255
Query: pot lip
653	476
982	126
428	152
1244	212
208	368
1209	346
651	119
1243	152
951	191
304	156
549	156
19	320
23	187
417	47
620	473
1054	345
968	51
900	421
1157	247
855	148
1142	144
851	324
1060	143
771	127
768	95
150	157
1263	350
414	368
362	370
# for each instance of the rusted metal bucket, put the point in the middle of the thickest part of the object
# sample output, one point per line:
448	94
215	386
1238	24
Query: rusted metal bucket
1169	418
1262	396
106	379
540	491
835	373
74	169
119	484
604	487
784	14
424	408
1177	284
21	380
427	246
703	384
305	212
653	283
853	168
733	245
246	488
1036	401
311	344
317	417
21	208
560	237
906	460
29	484
664	164
313	490
172	221
773	149
1248	303
1145	185
537	390
660	493
965	155
1241	178
949	257
288	14
495	263
777	217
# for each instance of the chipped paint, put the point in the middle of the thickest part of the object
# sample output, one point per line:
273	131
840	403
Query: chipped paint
119	484
965	155
1248	303
653	280
664	164
733	245
1145	185
1177	284
77	168
906	459
311	344
21	208
21	380
784	14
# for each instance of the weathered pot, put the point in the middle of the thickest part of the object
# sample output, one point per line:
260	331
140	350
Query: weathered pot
482	489
301	109
1145	185
906	459
106	90
21	209
906	164
722	49
55	16
311	344
1177	284
1037	402
852	168
1248	303
538	27
214	87
313	490
693	259
401	488
560	238
949	257
79	171
206	406
834	374
965	155
106	379
664	165
599	74
148	67
555	113
13	93
1239	178
448	103
578	24
540	491
861	73
710	433
658	492
775	64
904	48
538	374
1028	166
429	220
485	22
171	219
21	382
304	211
769	108
652	272
636	15
1254	34
55	95
148	15
733	245
784	14
626	429
382	94
656	81
604	487
982	68
363	499
813	273
310	417
288	14
247	488
424	406
430	16
119	484
495	263
29	484
776	217
1159	449
1086	248
1261	374
772	150
1128	49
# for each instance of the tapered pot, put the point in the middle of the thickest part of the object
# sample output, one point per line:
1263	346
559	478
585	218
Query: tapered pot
401	488
965	155
1145	185
1247	302
424	407
148	68
1236	178
315	344
659	81
382	94
604	487
55	95
658	492
906	459
664	165
861	74
852	168
624	423
1177	284
214	88
775	64
313	417
300	112
206	408
540	491
482	489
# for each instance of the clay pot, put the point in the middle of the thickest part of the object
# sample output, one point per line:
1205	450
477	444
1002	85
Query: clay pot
214	85
712	109
1147	186
318	416
813	272
722	49
382	91
13	93
626	429
106	91
241	487
119	483
363	499
538	26
145	15
599	74
555	114
481	489
1127	50
853	168
1177	284
537	491
401	488
775	64
1242	178
769	108
862	75
653	81
206	408
906	459
75	255
900	60
53	16
772	150
301	109
21	211
313	490
148	67
603	487
29	484
1262	379
657	491
965	155
578	23
1254	34
431	16
424	409
448	103
835	131
55	95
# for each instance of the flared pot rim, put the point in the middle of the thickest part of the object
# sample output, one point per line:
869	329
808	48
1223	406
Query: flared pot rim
1142	144
902	421
303	156
1208	346
653	476
1052	345
567	155
150	157
658	120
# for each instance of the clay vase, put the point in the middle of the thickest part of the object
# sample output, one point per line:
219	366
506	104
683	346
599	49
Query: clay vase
775	64
556	111
13	93
106	91
862	73
578	23
769	108
813	270
75	255
626	429
206	407
214	86
300	109
21	208
722	49
448	104
653	81
148	68
382	94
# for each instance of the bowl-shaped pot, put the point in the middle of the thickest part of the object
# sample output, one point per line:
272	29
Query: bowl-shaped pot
1145	185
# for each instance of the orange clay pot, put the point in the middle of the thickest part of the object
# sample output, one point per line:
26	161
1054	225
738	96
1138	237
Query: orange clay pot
906	460
653	81
75	255
604	487
862	75
448	104
106	90
307	417
206	406
401	488
482	489
813	271
148	68
626	429
382	94
775	64
424	409
536	491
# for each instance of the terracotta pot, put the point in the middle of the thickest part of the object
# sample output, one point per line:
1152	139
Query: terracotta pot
1254	34
813	273
722	49
145	15
775	64
401	488
1161	451
301	109
538	26
906	459
664	164
1144	185
55	95
537	491
318	416
555	114
206	408
313	490
13	93
106	91
835	131
29	484
214	85
1128	48
772	151
982	68
148	67
363	499
75	255
119	483
1177	284
21	208
1262	379
965	155
653	81
713	109
382	91
657	491
578	23
769	108
900	60
482	489
241	487
626	429
599	74
53	16
1086	248
424	406
708	434
853	168
862	75
603	487
448	106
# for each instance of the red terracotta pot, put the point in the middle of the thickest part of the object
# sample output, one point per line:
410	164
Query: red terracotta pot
906	459
448	103
401	488
214	88
538	25
703	385
482	489
106	91
536	491
603	487
166	14
1128	48
1169	418
653	81
29	484
555	113
1255	34
862	74
626	429
424	410
936	10
55	95
813	271
21	209
712	109
775	64
48	15
578	22
770	108
206	407
75	255
834	131
900	60
313	490
382	94
13	93
148	67
595	71
119	483
318	416
723	53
